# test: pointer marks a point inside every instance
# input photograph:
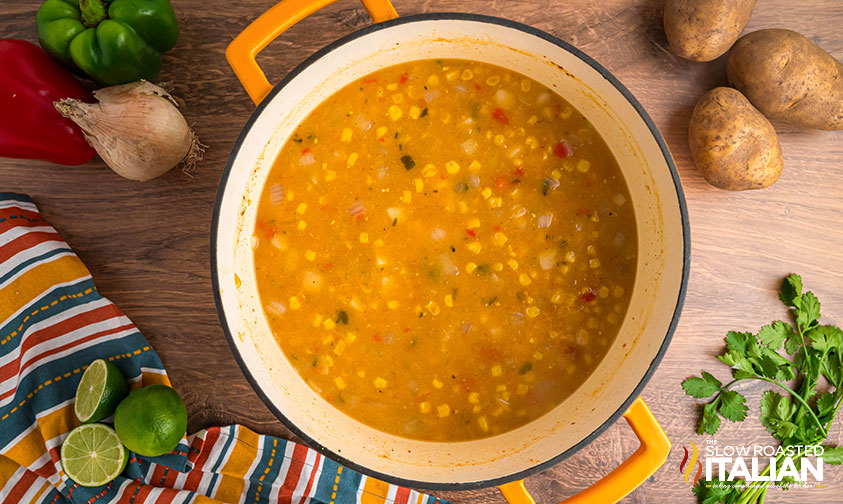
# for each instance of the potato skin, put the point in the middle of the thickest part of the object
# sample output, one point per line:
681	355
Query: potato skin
788	78
733	145
703	30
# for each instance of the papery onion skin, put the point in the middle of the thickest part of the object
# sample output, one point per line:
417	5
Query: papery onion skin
136	129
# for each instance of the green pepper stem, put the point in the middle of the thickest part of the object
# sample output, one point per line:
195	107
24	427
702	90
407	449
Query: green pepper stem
93	11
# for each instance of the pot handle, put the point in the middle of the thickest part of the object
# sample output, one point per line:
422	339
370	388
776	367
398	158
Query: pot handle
272	23
626	477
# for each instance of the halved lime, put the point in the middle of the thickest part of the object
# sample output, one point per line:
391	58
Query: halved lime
100	391
92	455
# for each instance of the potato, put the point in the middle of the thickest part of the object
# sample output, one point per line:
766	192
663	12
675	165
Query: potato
733	145
703	30
788	78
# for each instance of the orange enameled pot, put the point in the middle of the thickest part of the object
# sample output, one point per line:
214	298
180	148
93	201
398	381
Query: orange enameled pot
610	392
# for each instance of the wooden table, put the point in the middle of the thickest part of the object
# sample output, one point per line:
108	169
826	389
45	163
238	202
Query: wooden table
147	244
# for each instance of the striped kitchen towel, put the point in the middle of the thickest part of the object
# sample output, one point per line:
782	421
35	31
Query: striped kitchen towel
53	322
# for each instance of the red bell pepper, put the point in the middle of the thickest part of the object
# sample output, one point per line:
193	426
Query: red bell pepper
30	127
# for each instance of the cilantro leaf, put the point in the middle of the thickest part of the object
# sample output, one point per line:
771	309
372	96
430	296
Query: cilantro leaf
825	403
833	455
773	335
807	310
832	369
776	414
710	421
825	338
715	491
703	387
733	406
791	289
738	341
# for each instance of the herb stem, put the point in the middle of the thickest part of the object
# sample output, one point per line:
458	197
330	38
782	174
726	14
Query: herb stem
801	400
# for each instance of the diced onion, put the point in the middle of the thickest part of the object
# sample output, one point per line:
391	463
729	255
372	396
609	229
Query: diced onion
460	187
516	318
469	146
460	89
276	308
448	266
519	211
543	98
504	98
465	327
431	95
619	199
438	234
276	194
618	240
382	171
545	220
357	208
467	122
307	159
254	241
514	152
551	182
363	123
474	180
393	213
389	338
547	259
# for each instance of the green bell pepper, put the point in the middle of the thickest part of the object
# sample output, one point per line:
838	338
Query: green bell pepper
114	43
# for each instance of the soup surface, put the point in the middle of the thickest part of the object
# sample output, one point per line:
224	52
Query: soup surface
445	249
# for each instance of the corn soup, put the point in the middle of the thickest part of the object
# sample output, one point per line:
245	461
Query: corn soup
445	250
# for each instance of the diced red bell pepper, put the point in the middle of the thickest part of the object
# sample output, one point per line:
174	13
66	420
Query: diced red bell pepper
30	127
500	116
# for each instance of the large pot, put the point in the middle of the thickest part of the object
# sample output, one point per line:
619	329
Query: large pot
610	392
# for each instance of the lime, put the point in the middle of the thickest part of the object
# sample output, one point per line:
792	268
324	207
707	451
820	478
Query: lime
151	421
92	455
102	387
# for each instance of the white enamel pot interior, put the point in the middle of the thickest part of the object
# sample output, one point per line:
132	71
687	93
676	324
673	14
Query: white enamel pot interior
659	287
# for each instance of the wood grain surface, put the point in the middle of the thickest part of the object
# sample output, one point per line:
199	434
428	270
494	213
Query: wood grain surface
147	245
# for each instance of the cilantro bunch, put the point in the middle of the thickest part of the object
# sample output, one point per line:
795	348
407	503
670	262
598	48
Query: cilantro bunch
793	357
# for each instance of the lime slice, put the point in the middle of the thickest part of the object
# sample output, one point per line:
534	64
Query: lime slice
102	387
92	455
151	421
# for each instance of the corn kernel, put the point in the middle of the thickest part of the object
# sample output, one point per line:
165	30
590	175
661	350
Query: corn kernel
437	383
603	292
499	139
433	80
329	324
449	300
379	383
483	423
419	183
415	112
497	266
295	304
407	196
381	131
310	255
474	246
538	356
392	86
350	337
496	202
497	370
557	297
500	388
425	407
443	410
512	264
583	165
339	382
473	223
302	208
594	263
570	256
352	158
433	308
451	75
532	120
317	321
532	311
346	135
486	192
429	170
470	267
378	243
474	166
364	237
463	206
339	348
395	112
301	225
474	398
361	373
524	279
618	292
477	409
330	175
452	167
522	389
392	304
